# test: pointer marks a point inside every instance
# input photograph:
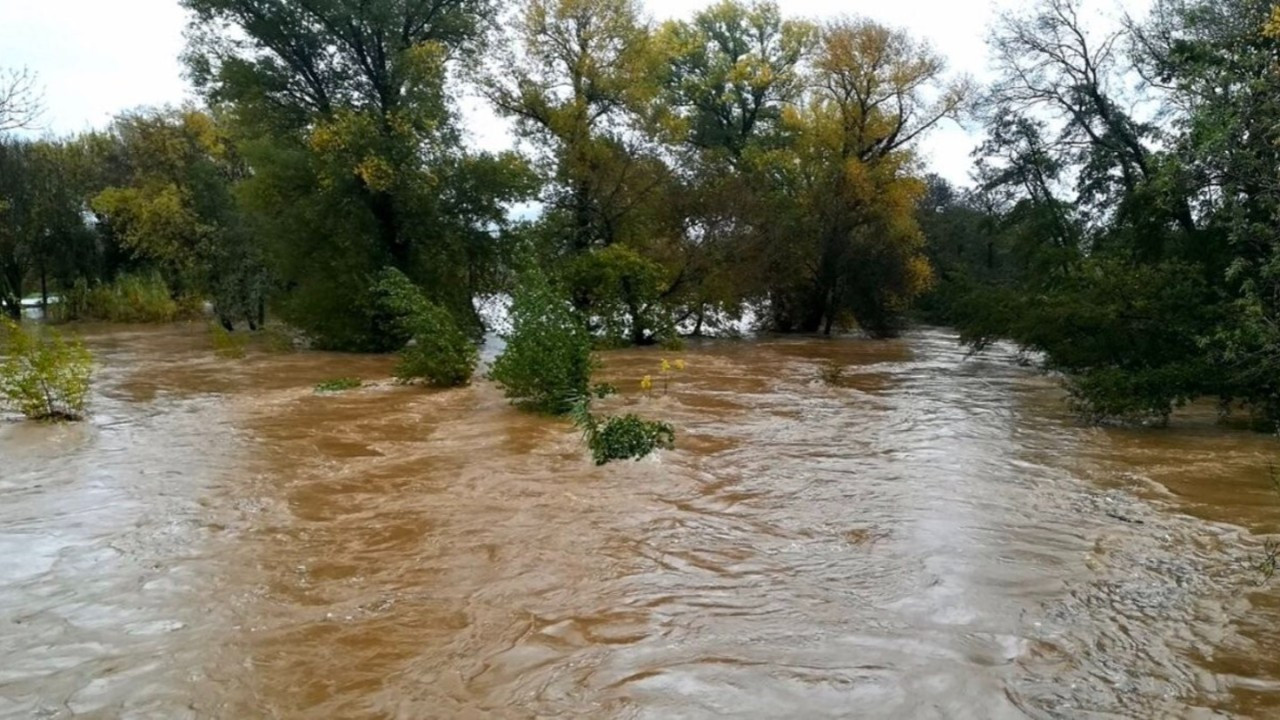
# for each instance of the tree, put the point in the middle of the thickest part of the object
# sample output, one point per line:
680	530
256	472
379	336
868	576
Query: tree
43	230
546	364
734	70
850	248
342	112
1148	279
584	90
171	206
1217	63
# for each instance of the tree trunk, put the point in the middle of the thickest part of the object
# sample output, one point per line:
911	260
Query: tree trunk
382	205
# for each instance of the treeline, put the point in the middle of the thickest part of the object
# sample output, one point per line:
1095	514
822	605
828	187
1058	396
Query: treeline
687	174
1126	223
682	172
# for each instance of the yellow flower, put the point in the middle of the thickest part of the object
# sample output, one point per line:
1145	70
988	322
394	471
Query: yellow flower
666	366
679	364
646	383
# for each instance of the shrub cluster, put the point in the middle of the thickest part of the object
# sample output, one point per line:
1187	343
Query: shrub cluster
44	377
547	363
437	350
128	299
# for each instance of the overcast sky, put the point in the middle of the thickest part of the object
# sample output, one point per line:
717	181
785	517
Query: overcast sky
97	57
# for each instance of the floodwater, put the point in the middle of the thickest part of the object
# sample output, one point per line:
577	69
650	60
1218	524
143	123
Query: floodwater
847	528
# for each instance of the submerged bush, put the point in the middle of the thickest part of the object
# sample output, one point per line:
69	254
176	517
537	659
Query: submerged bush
128	299
339	385
547	363
627	437
227	344
43	377
438	351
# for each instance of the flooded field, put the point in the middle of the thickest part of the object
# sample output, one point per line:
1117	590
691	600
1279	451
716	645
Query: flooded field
847	528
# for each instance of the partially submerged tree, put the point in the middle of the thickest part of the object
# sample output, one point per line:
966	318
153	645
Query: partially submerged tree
850	249
358	164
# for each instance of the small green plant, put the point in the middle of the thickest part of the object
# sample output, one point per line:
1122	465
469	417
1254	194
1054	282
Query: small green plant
625	437
339	385
43	377
438	351
227	344
1270	560
547	363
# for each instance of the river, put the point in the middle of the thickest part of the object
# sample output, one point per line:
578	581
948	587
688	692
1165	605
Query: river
847	528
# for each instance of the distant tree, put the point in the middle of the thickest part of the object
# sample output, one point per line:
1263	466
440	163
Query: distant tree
43	229
581	80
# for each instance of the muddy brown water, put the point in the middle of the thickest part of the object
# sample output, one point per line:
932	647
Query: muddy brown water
847	529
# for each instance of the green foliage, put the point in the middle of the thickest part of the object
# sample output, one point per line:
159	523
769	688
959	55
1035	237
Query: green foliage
547	362
339	385
341	110
227	344
43	235
438	351
625	437
1153	280
128	299
276	339
620	290
43	377
171	208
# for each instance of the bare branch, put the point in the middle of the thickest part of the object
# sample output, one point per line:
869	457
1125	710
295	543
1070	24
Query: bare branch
21	100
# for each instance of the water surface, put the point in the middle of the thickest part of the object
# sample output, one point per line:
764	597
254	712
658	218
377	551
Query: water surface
848	528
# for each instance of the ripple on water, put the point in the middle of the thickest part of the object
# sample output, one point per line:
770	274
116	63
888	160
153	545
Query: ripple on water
891	528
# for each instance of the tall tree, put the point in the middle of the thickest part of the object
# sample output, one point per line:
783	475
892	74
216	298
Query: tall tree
581	81
44	236
171	205
734	70
851	249
357	161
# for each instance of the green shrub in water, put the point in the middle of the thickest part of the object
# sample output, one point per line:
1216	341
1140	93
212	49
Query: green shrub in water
547	363
227	344
339	385
625	437
128	299
438	351
44	377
